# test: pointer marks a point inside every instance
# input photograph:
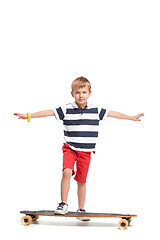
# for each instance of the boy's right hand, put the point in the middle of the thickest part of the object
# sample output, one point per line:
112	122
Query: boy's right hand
21	116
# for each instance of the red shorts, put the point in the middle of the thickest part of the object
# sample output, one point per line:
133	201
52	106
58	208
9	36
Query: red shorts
82	160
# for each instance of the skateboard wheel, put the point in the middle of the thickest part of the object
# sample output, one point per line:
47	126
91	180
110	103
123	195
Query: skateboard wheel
26	220
123	223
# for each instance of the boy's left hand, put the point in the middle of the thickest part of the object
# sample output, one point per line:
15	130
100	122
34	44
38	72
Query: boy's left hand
136	118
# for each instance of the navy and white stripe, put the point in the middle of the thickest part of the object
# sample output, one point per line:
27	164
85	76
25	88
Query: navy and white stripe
80	125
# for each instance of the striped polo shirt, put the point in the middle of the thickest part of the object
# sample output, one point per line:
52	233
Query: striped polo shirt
80	125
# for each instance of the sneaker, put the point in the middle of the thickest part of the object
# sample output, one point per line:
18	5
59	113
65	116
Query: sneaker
82	218
62	208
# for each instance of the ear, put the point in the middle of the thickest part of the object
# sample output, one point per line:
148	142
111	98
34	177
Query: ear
72	94
90	93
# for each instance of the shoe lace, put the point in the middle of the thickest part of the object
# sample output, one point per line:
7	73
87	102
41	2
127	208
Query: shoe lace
60	206
81	210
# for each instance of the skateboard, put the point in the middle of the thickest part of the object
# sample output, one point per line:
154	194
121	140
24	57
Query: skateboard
34	215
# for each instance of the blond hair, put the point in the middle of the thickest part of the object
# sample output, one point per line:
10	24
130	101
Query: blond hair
80	82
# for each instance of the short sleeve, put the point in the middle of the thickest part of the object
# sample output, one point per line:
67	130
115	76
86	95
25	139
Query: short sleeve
60	112
103	112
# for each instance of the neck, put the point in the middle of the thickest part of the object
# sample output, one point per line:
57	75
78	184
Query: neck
81	105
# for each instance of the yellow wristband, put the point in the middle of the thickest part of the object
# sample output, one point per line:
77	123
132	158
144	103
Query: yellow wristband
29	117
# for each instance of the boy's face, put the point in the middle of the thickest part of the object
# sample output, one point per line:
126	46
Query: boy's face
81	95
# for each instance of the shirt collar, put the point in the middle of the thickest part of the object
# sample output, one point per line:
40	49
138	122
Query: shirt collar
74	104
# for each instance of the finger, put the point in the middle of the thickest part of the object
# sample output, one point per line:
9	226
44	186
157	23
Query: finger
17	114
140	115
137	119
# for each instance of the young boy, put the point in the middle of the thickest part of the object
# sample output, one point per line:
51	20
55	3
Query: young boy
80	121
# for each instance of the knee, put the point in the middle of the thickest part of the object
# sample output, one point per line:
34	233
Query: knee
67	173
81	184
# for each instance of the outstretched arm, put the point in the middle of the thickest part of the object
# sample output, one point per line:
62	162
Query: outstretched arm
44	113
123	116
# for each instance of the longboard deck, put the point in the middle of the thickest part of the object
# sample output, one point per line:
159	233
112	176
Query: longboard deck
34	215
75	214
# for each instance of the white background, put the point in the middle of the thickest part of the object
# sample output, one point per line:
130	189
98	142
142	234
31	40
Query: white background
44	46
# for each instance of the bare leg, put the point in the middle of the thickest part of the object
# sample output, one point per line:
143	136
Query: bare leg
81	194
65	184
